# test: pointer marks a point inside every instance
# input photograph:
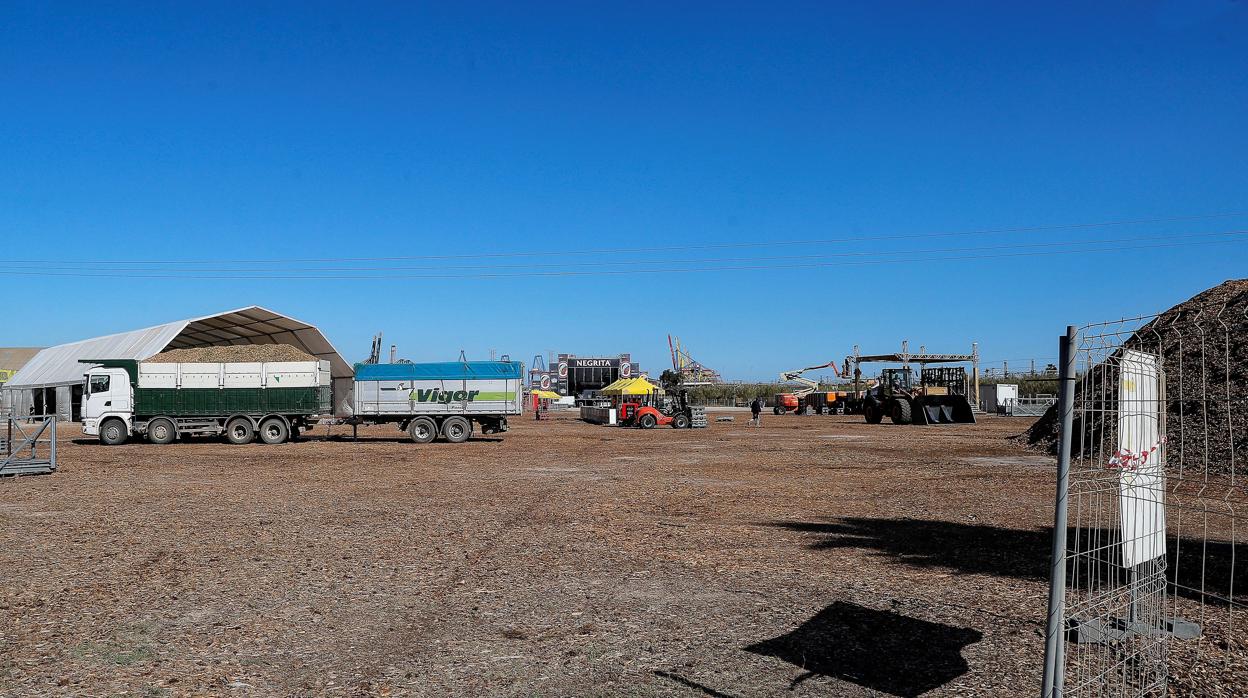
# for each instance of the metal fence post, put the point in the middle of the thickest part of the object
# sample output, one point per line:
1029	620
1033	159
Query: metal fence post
1054	649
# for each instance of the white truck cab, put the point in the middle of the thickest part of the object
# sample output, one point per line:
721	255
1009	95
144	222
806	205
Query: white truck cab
108	400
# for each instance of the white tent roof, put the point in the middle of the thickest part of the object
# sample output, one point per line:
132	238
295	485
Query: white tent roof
60	365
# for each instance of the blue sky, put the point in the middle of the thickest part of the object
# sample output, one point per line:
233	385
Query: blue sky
271	132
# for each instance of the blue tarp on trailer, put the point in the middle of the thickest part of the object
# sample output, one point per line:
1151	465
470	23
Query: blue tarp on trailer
450	370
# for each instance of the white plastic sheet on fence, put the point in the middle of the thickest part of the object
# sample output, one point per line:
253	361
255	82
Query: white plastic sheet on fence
1140	459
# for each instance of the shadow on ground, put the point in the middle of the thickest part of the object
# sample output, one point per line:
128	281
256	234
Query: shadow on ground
1024	554
878	650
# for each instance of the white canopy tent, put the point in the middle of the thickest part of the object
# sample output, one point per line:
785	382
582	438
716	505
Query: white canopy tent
51	382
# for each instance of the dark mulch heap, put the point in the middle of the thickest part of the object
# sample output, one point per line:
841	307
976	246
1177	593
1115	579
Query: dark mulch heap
1204	345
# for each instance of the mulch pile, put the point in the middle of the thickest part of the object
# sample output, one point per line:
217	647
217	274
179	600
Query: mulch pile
232	354
1204	345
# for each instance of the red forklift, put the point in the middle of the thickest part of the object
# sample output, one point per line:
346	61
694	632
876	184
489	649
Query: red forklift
678	414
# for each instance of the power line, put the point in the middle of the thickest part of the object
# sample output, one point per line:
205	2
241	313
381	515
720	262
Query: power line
197	274
635	262
674	248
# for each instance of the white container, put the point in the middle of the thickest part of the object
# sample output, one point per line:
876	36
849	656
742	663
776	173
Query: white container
995	396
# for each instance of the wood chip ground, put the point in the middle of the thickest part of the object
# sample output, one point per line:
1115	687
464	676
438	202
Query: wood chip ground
563	559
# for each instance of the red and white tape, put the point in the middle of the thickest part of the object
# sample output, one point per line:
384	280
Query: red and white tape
1125	459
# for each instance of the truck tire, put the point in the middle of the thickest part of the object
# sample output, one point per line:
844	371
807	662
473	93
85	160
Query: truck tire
899	411
777	410
647	421
239	431
162	431
274	431
113	432
456	429
422	430
680	421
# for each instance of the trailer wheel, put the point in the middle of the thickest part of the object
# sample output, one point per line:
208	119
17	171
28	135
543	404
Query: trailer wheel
900	412
113	432
239	431
680	421
161	431
647	421
274	431
422	430
456	429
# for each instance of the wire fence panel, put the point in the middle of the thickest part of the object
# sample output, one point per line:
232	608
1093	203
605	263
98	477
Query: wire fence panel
1156	510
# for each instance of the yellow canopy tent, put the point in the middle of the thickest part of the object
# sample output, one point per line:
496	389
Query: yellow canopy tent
546	394
632	386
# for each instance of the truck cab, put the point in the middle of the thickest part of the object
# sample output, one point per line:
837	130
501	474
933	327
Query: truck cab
108	402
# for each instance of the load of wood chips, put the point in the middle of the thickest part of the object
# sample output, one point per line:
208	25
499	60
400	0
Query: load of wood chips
1203	343
233	353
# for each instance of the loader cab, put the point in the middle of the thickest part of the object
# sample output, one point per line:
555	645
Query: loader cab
895	380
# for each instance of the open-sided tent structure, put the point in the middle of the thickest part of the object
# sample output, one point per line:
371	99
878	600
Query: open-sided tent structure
631	386
51	382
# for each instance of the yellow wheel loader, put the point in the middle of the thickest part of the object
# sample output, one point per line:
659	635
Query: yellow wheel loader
939	398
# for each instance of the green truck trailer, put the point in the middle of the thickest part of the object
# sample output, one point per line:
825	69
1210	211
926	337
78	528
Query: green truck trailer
272	400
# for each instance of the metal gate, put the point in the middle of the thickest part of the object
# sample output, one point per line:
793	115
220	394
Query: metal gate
1034	406
1149	557
27	445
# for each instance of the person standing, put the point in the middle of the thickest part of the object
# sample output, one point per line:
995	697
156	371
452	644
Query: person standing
756	408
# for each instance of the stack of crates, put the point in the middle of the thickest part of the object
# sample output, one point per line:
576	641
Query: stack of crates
697	417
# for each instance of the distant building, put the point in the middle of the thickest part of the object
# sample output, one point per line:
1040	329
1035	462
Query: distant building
13	358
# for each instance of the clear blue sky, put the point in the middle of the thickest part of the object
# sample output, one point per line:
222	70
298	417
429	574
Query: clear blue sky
275	131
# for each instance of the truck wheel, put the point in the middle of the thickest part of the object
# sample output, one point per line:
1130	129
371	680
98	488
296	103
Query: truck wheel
422	430
647	421
456	429
900	412
113	432
239	431
777	410
680	421
274	431
161	431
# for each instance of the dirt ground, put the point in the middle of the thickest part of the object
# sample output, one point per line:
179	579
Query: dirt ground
811	556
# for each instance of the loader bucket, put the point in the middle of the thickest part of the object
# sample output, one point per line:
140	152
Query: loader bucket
944	409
